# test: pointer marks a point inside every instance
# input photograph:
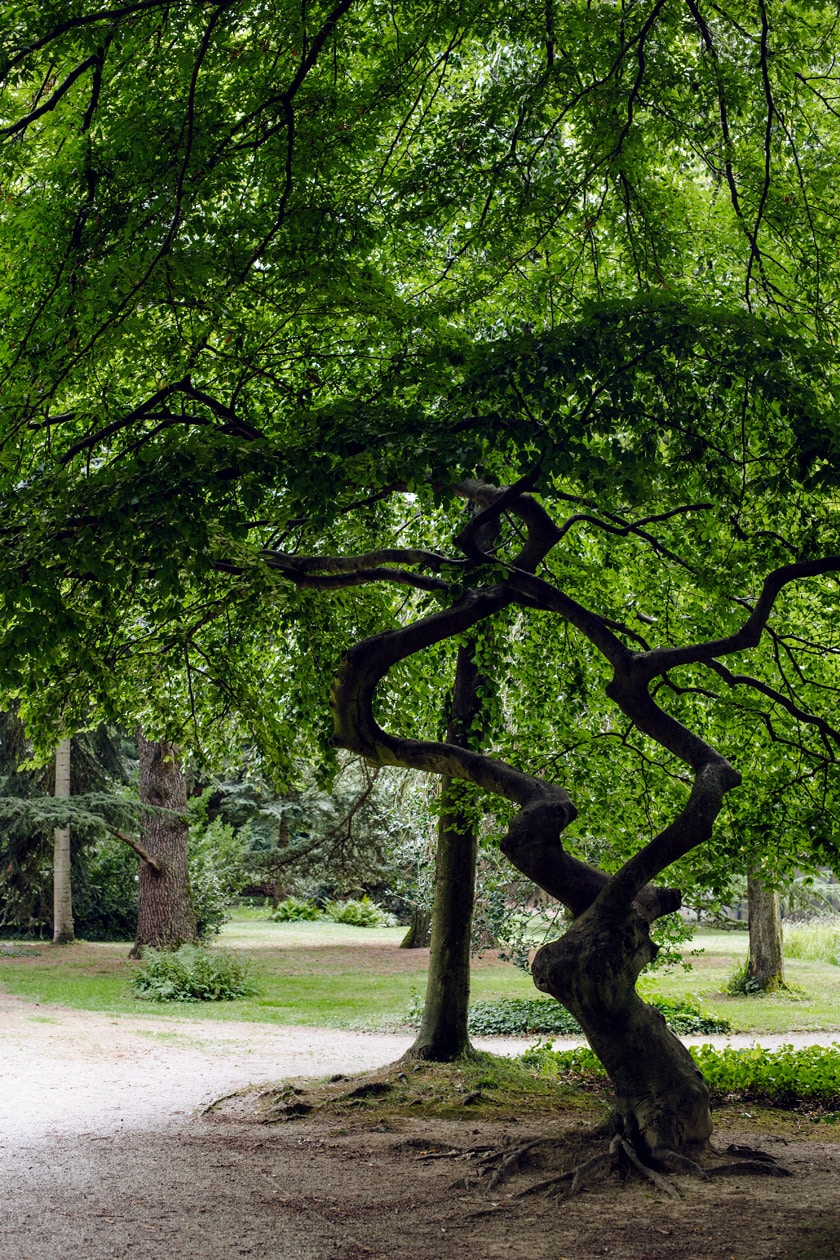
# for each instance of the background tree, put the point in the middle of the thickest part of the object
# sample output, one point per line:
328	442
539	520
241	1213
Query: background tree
765	962
99	807
62	880
165	913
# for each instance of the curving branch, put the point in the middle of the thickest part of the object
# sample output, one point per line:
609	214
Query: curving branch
650	664
533	839
14	129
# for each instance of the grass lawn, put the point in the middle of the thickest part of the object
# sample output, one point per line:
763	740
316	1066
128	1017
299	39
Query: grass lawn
812	1004
306	973
329	974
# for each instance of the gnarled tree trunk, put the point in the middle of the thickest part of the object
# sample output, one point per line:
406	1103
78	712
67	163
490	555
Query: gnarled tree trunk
165	915
765	964
63	933
662	1099
663	1102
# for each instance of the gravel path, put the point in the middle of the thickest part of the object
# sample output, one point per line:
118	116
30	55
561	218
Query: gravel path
102	1157
65	1072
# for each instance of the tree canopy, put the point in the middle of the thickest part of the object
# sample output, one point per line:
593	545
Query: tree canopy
287	286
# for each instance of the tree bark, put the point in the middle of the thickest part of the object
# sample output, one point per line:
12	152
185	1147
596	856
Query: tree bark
165	915
419	934
63	933
444	1034
662	1099
765	965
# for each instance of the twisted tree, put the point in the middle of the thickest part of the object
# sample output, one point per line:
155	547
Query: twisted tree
593	967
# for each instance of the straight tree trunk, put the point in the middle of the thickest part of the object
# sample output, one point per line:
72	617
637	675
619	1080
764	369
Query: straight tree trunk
443	1034
63	933
765	965
165	914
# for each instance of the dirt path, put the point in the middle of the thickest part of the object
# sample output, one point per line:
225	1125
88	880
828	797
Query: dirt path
102	1156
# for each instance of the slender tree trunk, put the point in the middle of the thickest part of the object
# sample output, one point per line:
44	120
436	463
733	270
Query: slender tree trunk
63	933
765	964
165	915
443	1031
278	887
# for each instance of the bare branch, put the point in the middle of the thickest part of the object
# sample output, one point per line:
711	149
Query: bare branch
136	846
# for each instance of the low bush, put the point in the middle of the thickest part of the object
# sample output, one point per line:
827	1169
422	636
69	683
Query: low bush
364	913
782	1077
191	974
514	1017
684	1016
741	984
296	910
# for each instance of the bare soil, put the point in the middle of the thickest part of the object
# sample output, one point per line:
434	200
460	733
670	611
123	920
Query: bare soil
107	1151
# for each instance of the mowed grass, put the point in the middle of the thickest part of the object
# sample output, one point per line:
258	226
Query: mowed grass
331	975
811	1004
324	974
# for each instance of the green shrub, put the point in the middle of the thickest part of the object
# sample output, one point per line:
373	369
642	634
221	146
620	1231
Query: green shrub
191	974
215	865
518	1016
742	984
782	1077
513	1017
364	913
296	910
684	1016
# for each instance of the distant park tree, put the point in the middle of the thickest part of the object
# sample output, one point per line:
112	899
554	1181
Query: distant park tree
62	878
165	913
765	961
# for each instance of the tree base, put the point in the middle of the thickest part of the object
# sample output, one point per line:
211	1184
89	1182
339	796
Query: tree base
624	1161
439	1052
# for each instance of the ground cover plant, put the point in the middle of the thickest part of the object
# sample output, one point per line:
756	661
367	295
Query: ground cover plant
785	1077
520	1016
191	974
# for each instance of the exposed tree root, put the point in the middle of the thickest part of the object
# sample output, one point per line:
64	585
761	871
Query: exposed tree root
510	1162
620	1156
624	1160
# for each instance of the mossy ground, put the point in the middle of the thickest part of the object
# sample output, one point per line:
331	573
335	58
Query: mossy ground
477	1086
